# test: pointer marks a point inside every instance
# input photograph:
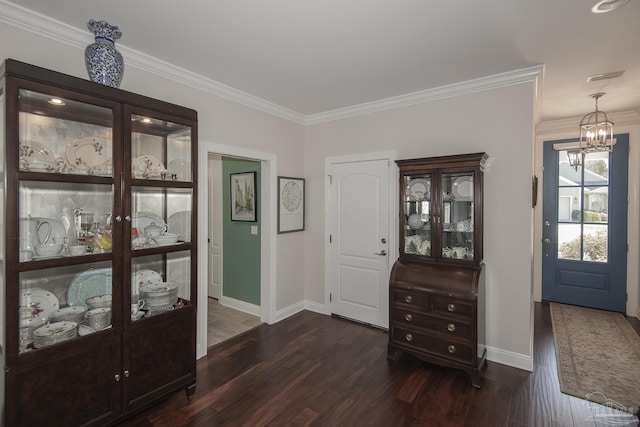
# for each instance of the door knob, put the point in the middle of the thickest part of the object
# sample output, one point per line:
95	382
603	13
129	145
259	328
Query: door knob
381	253
383	240
547	240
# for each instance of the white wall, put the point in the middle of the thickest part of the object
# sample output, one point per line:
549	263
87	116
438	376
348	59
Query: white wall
499	122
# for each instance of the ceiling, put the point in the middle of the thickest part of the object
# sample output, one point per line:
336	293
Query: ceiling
314	56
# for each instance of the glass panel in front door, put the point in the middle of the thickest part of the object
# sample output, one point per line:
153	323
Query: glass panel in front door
583	227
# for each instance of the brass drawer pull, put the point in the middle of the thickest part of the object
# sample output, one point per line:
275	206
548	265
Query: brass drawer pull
409	337
451	348
408	317
451	327
408	299
451	307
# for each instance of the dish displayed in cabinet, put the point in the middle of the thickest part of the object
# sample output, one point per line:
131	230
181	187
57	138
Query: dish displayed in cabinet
142	220
148	166
181	169
462	188
180	223
89	283
419	190
90	155
54	333
145	277
36	306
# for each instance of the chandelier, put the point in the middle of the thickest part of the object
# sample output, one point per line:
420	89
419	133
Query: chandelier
596	134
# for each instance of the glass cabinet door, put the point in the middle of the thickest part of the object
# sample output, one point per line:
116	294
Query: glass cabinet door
417	205
456	214
162	199
65	198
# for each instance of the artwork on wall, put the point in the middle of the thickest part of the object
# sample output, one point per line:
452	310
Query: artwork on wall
290	204
243	196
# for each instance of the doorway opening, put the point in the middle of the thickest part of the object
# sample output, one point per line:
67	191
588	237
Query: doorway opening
267	233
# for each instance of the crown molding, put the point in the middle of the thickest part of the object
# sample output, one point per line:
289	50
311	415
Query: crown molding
45	26
620	118
510	78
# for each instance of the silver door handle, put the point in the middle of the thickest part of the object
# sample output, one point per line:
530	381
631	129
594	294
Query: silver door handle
547	240
381	253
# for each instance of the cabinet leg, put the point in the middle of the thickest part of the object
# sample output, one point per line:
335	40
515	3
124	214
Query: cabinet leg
191	390
393	355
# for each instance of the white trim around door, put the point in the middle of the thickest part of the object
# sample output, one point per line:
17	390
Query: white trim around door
268	219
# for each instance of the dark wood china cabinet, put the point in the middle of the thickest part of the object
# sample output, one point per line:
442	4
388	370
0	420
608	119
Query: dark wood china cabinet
437	285
98	250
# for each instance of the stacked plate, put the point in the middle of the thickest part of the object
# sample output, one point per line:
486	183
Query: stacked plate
69	314
159	295
54	333
98	318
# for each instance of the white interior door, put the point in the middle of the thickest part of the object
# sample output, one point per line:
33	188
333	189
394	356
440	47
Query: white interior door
214	270
359	260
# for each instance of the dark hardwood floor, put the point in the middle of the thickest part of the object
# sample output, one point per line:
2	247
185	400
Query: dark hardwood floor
317	370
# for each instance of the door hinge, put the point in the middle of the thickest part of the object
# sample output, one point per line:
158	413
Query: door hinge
330	297
330	238
330	179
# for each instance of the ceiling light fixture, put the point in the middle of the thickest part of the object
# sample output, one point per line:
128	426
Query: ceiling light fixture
604	6
596	134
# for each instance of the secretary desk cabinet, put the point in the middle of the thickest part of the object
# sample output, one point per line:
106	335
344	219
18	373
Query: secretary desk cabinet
90	174
437	285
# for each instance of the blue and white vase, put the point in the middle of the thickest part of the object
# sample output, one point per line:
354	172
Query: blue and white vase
104	62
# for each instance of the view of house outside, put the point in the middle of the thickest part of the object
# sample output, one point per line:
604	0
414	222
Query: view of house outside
583	199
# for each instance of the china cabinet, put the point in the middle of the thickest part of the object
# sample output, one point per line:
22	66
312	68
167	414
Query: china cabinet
436	287
98	251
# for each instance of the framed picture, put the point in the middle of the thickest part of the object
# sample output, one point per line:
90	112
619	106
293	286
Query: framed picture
243	196
290	204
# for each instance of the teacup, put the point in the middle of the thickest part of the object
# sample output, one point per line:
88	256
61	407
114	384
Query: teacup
459	252
135	307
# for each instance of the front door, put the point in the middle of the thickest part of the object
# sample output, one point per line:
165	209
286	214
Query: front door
584	249
359	224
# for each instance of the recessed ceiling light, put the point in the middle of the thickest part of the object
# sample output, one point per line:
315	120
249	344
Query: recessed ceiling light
605	76
146	120
56	101
604	6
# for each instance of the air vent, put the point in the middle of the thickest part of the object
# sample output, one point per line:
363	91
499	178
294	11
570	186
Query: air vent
605	76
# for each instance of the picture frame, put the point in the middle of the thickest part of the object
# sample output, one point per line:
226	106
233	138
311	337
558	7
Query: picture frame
243	196
291	204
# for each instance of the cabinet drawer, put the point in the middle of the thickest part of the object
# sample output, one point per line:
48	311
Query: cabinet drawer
450	349
438	325
451	306
413	298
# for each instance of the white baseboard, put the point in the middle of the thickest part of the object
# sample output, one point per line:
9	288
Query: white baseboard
240	305
509	358
300	306
317	307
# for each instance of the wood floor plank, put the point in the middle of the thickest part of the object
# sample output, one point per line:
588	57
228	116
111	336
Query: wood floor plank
315	370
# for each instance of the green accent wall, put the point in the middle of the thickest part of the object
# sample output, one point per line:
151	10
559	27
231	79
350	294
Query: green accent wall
241	249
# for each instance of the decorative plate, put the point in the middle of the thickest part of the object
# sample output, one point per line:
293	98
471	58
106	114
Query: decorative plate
36	151
90	154
140	220
180	223
419	189
145	277
36	306
147	166
89	284
462	188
